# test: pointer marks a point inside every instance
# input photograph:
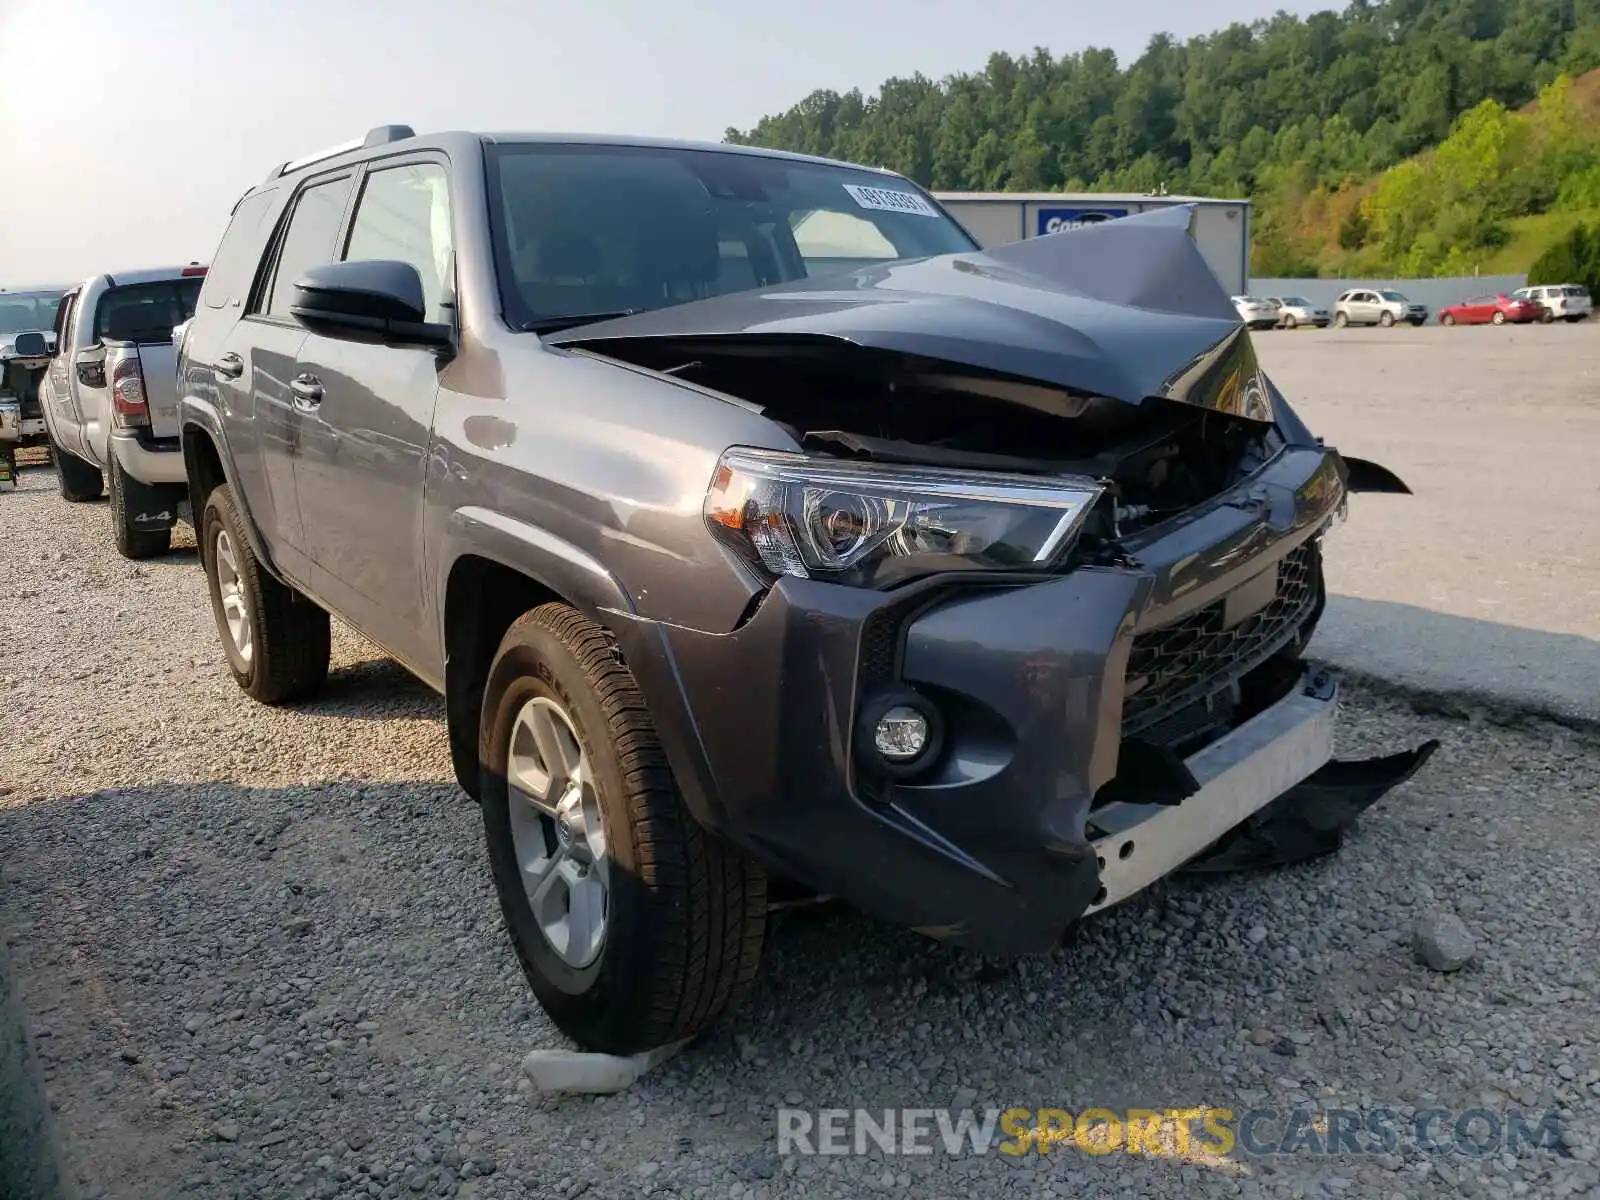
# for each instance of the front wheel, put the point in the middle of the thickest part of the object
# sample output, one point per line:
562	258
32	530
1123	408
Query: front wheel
1386	319
1340	320
1499	318
635	927
277	641
1289	322
1447	319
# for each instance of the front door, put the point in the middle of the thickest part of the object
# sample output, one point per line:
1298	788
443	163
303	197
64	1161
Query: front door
366	413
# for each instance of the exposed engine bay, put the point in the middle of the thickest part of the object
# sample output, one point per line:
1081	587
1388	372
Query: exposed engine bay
1159	458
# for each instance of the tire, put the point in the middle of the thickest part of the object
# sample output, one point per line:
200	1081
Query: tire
287	639
133	543
1340	320
1499	318
683	913
1546	317
1446	319
1386	319
1290	323
80	482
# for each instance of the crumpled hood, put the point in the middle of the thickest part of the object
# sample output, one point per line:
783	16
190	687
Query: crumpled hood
1125	309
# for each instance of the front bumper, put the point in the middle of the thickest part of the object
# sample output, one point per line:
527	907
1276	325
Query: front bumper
1058	696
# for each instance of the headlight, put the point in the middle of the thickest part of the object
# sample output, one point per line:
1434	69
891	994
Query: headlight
872	525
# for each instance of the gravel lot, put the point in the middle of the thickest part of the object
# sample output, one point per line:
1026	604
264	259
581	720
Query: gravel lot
259	955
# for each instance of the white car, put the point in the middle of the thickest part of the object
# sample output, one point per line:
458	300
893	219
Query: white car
1255	312
1295	311
1568	301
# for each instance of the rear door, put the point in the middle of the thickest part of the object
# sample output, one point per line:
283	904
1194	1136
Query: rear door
367	415
62	412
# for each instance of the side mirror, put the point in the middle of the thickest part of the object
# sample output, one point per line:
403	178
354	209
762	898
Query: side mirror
30	345
379	301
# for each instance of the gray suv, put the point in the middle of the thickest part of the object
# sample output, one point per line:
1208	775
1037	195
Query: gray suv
757	526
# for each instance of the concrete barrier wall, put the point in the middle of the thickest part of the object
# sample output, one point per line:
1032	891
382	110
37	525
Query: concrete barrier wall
1435	293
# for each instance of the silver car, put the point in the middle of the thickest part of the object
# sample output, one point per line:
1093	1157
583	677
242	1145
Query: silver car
1295	311
1376	306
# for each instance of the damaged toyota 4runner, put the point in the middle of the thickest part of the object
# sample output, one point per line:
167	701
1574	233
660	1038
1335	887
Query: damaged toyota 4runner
755	523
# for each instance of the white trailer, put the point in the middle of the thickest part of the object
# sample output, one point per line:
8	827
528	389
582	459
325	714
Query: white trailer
1221	228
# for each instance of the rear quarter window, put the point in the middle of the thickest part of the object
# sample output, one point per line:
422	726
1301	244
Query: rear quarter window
233	268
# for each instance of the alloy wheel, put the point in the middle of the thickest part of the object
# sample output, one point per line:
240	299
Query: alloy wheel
230	586
558	831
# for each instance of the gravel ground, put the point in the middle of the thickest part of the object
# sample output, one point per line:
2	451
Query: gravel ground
260	956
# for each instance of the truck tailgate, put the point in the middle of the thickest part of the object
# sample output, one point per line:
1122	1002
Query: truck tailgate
158	364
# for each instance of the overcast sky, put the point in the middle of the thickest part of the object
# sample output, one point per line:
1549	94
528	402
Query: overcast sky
128	128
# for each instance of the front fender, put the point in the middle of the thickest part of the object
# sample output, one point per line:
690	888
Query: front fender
552	562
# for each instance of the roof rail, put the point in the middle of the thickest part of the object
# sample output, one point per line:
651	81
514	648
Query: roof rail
379	135
382	135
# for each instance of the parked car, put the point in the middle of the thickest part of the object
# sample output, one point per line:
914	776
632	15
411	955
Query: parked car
26	314
1492	310
1563	301
1376	306
933	584
1295	311
1256	313
110	400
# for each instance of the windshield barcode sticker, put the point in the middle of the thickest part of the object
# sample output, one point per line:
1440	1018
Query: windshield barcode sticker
890	200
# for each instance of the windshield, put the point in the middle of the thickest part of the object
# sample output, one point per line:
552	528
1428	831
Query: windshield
1395	296
585	230
28	312
1296	302
146	312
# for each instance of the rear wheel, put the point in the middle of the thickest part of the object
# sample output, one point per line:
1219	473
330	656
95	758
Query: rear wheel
634	926
131	541
80	481
1546	317
1289	322
1386	319
277	641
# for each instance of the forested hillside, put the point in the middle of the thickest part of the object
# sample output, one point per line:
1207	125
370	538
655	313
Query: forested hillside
1394	137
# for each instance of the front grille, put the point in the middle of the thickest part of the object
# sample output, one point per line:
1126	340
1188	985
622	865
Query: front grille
1183	663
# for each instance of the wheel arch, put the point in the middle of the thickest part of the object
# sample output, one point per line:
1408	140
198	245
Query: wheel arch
207	465
494	569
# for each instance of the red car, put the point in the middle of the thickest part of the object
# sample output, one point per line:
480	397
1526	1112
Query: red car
1492	310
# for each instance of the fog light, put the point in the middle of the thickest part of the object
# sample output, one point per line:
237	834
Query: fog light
901	734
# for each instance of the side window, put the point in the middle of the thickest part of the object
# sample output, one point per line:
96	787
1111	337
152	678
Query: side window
307	242
69	305
404	215
233	266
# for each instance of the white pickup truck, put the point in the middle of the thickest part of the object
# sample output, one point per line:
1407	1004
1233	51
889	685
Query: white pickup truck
110	399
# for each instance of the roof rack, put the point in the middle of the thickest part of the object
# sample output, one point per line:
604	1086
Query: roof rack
379	135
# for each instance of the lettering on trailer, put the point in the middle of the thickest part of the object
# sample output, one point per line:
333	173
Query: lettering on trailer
1056	220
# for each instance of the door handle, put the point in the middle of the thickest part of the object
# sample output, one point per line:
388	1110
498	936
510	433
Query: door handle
230	366
307	391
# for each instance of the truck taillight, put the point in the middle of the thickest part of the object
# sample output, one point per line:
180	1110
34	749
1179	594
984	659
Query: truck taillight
128	401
